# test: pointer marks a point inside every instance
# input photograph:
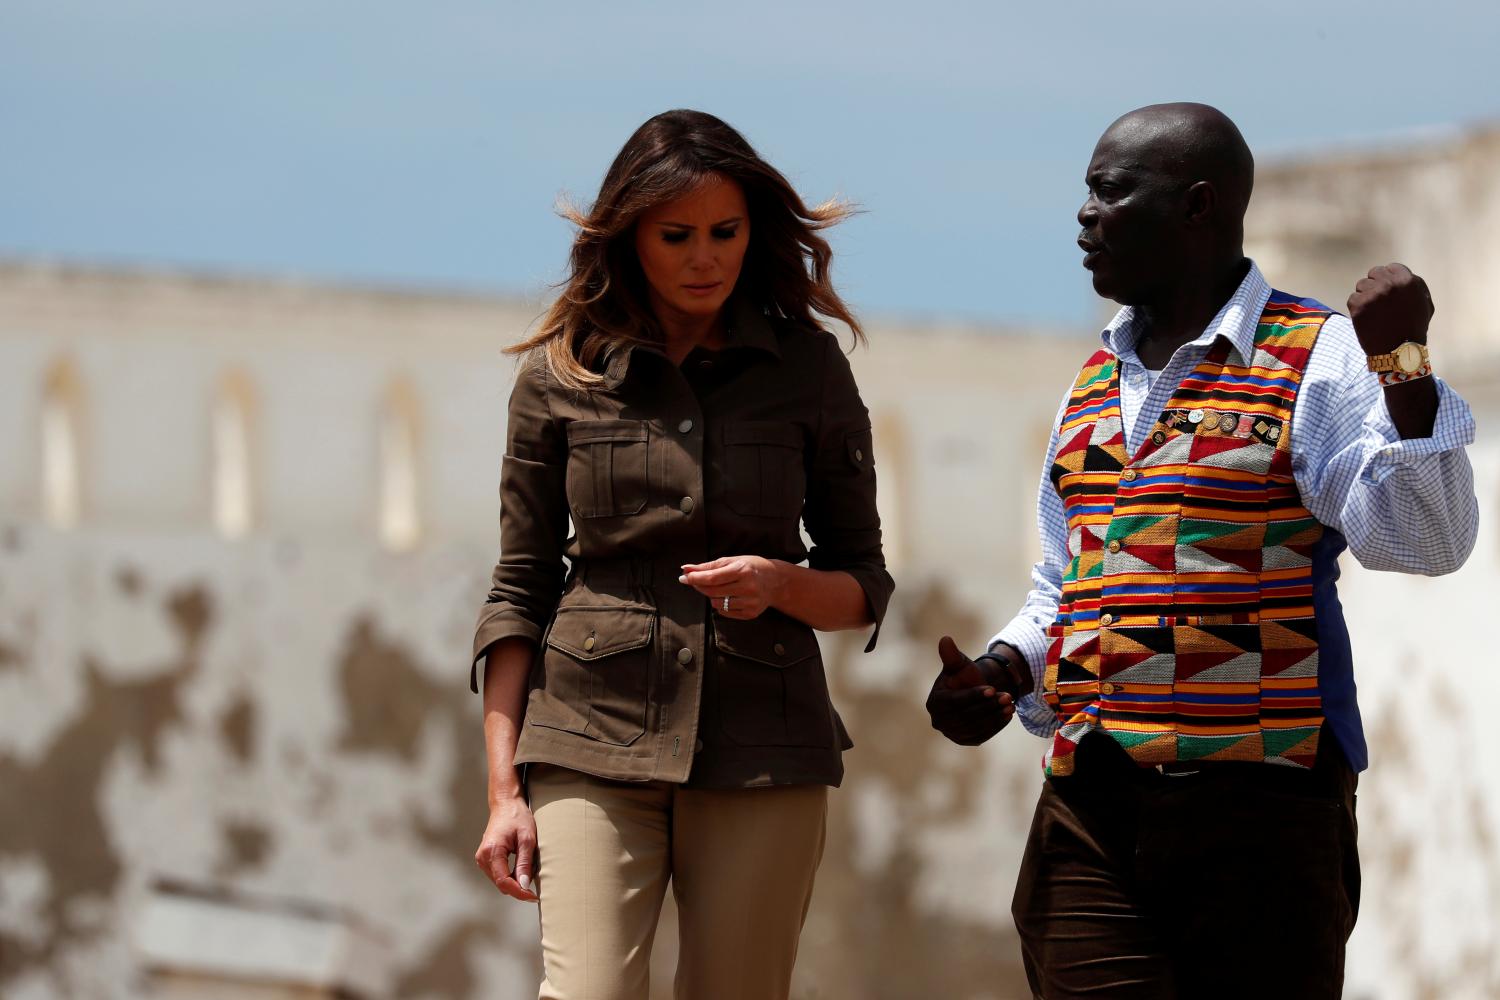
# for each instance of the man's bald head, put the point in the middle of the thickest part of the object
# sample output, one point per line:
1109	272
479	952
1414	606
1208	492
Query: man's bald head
1168	188
1189	143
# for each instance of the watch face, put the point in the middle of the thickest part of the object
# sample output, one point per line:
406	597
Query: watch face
1409	357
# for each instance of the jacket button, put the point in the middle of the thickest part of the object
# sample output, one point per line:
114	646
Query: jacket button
686	505
1106	619
780	649
685	426
859	454
1114	545
1107	688
588	644
697	746
1128	475
684	656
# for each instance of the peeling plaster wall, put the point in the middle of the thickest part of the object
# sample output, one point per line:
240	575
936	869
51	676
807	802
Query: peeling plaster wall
1429	805
288	714
1317	225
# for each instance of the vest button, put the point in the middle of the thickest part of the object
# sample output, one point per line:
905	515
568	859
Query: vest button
685	426
1114	545
1129	475
1106	619
779	649
684	656
1106	688
686	505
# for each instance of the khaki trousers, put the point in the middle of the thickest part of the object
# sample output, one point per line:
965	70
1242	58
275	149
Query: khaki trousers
741	863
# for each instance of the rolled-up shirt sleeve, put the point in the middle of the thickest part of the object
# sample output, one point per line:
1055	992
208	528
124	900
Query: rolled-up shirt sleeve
1404	505
527	581
840	513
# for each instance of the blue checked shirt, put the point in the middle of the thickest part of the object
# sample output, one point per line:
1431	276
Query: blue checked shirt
1403	505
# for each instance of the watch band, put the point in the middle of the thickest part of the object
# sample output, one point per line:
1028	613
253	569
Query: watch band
1397	377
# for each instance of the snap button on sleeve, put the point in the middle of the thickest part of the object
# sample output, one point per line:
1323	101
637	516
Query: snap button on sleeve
684	656
686	425
686	505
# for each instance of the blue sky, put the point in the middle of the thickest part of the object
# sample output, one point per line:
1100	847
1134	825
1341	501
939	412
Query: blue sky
426	144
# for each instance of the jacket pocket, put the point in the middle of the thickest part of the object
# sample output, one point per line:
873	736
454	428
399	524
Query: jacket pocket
607	467
772	691
763	471
594	675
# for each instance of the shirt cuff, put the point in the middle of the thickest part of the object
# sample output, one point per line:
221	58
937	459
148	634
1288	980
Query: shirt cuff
877	584
497	622
1030	640
1452	429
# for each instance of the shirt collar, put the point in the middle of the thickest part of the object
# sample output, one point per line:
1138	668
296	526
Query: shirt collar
1236	321
749	328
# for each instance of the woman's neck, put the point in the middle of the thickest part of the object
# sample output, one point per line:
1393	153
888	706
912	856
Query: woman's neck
683	333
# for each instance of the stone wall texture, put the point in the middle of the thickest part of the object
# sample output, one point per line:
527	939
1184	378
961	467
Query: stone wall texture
286	714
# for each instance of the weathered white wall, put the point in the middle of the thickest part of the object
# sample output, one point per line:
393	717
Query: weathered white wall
288	714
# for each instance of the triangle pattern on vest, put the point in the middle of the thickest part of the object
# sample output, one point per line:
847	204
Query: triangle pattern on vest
1295	746
1198	649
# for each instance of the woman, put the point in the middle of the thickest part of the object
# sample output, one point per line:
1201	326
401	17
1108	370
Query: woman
680	403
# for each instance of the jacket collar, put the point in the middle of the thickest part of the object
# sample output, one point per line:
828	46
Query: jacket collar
749	328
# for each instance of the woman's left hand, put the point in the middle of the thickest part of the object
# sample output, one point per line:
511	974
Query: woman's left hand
752	584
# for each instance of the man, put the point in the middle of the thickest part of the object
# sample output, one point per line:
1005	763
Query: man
1183	649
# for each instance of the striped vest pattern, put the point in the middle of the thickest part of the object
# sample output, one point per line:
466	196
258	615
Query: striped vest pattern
1186	627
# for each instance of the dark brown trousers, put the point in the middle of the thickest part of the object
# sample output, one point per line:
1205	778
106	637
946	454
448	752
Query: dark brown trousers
1237	880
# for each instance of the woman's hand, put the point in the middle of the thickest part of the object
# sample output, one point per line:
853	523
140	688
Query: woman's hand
752	584
511	830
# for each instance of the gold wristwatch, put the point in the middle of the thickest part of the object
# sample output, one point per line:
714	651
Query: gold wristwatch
1406	362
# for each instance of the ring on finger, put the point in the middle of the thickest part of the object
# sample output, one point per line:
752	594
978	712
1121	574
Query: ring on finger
724	605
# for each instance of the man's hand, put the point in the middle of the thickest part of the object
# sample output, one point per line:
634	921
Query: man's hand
966	703
1389	307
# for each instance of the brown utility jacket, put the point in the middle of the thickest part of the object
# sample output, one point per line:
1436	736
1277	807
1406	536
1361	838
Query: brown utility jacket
636	678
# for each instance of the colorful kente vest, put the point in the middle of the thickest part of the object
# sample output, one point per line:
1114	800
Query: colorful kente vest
1185	627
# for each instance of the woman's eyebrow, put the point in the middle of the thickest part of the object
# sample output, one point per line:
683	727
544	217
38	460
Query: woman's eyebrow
714	225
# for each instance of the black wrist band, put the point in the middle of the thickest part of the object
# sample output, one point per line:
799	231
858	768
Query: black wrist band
1013	685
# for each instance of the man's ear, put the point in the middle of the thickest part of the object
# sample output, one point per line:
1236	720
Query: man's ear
1201	203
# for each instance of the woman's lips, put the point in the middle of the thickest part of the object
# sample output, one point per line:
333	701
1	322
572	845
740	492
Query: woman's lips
707	288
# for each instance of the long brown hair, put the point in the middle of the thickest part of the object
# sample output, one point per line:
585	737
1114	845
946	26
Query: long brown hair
603	300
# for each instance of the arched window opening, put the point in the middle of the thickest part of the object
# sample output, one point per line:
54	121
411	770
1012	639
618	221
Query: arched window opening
400	515
232	467
62	447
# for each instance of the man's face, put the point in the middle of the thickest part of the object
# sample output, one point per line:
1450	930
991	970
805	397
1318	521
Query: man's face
1133	234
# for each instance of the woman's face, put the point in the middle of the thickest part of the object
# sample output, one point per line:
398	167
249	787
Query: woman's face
691	249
